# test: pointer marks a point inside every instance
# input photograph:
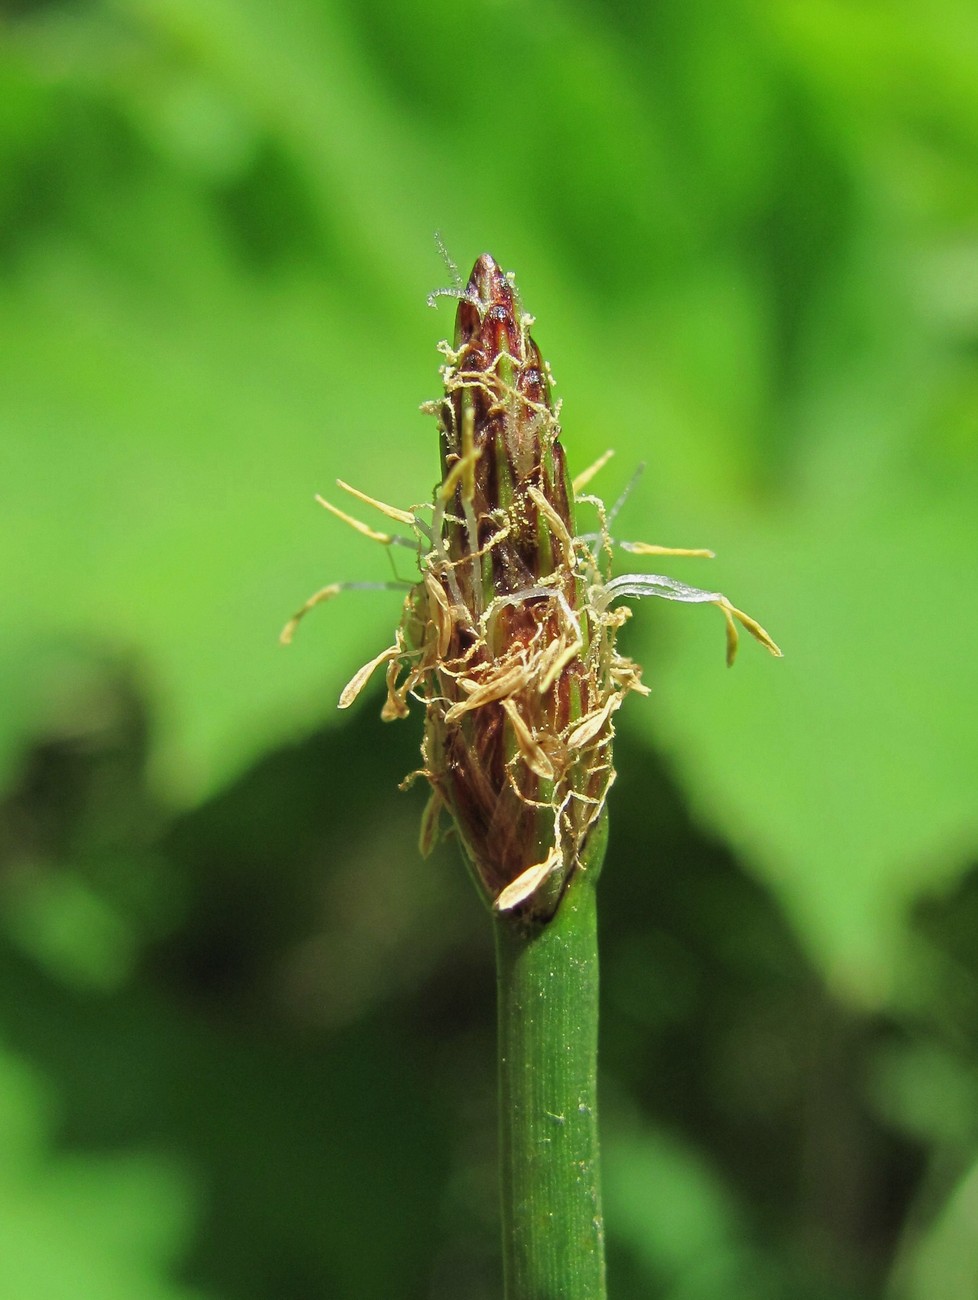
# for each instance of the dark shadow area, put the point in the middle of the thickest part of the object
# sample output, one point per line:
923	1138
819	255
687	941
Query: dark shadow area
308	1021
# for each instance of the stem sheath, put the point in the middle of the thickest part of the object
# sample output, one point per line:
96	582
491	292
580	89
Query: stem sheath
553	1232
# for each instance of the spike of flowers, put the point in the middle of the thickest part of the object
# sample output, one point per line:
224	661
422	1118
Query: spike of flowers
509	638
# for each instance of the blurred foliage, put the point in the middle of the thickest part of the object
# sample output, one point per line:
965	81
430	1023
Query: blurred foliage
245	1033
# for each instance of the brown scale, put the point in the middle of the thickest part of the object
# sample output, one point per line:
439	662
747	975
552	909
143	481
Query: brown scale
518	419
496	801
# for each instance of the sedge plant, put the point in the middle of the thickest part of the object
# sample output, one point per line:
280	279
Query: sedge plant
508	642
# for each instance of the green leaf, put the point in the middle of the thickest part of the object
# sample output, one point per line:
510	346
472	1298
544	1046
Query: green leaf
83	1226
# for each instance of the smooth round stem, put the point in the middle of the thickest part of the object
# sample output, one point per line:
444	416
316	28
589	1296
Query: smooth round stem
553	1232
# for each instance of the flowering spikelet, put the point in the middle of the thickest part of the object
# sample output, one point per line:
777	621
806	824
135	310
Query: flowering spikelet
509	638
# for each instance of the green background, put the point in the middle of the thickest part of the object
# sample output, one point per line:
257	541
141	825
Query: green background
246	1034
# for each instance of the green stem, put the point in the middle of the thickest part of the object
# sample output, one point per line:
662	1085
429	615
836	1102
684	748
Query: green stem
553	1232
